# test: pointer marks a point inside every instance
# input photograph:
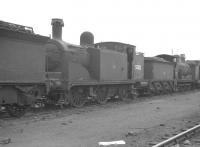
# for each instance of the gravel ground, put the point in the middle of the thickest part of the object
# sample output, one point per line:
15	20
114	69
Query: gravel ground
156	134
139	123
193	142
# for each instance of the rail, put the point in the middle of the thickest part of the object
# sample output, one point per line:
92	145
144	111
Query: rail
179	137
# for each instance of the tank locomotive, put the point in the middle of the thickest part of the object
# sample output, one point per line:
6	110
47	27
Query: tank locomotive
38	70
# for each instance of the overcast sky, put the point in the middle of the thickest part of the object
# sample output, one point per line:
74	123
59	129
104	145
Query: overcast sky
154	26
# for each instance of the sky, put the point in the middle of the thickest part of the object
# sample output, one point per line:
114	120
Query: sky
154	26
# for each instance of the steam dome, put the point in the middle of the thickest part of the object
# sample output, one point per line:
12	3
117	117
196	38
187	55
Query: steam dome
86	38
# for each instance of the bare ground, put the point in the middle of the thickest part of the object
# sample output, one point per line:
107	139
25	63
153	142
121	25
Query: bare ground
139	123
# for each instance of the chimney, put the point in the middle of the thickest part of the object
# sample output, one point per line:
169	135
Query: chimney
57	25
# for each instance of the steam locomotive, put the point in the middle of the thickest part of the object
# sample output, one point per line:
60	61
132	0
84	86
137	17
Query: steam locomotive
38	70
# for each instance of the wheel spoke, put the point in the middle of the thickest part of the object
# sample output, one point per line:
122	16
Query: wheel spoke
102	95
16	110
78	99
123	93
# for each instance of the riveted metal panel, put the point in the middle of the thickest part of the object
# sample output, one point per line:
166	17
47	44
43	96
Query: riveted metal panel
21	61
155	70
113	65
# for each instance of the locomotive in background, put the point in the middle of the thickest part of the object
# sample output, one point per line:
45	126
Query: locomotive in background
37	70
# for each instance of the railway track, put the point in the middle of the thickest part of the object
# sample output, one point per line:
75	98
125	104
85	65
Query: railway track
179	138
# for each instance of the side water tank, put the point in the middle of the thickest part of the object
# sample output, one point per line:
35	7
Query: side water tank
86	39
